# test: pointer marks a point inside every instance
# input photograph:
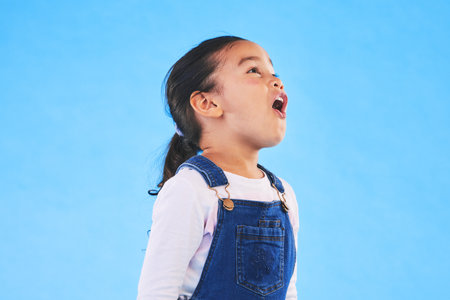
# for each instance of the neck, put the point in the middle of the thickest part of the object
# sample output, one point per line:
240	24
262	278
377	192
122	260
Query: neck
236	160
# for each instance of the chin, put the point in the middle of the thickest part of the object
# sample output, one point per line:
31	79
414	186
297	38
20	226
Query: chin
273	141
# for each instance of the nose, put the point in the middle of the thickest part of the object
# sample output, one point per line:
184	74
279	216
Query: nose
277	83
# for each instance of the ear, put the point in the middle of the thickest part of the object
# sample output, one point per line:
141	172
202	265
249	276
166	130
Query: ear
204	104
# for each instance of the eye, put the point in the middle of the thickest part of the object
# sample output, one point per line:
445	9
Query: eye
254	70
276	75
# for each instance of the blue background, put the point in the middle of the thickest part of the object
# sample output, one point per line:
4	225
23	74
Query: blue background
83	131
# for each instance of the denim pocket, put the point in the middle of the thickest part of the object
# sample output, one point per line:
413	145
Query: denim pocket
260	258
269	223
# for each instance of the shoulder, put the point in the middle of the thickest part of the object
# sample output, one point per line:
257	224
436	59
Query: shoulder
287	188
186	190
292	203
186	179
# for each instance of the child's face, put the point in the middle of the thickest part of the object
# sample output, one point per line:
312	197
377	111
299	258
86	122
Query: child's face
249	88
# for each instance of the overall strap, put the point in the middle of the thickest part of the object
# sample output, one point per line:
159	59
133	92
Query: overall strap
213	175
273	179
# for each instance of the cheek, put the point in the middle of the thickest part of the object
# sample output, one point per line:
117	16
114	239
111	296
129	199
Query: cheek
252	80
243	98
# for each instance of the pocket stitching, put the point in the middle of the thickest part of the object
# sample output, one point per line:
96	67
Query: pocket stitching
240	265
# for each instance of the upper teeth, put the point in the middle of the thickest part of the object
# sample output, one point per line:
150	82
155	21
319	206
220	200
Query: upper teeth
279	98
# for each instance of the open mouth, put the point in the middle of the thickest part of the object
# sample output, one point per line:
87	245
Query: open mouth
279	105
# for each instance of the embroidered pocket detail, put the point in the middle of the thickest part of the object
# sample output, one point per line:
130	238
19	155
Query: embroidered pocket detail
260	258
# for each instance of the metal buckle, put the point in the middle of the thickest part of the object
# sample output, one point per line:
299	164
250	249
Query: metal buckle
227	203
282	199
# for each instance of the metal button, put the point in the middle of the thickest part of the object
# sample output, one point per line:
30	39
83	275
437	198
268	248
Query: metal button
228	204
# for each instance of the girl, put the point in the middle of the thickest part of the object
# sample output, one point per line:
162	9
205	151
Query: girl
224	227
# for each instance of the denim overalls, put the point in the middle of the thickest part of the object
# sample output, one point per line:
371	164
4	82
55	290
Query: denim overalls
252	254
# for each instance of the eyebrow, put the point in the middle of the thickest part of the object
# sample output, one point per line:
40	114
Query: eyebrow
244	59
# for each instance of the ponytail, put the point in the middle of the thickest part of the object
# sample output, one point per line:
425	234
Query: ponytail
189	74
179	150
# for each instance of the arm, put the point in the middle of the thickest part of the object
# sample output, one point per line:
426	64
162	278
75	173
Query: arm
292	289
292	202
175	235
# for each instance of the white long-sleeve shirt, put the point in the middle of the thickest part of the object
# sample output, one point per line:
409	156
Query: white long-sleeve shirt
184	219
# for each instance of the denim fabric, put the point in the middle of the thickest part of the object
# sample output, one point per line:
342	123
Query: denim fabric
213	175
252	254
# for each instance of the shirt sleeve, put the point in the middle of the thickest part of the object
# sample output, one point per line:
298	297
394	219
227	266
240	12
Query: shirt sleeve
293	215
175	235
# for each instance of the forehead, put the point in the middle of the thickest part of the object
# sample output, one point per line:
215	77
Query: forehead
240	52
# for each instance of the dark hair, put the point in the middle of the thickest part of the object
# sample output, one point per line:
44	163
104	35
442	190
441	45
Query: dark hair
190	73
